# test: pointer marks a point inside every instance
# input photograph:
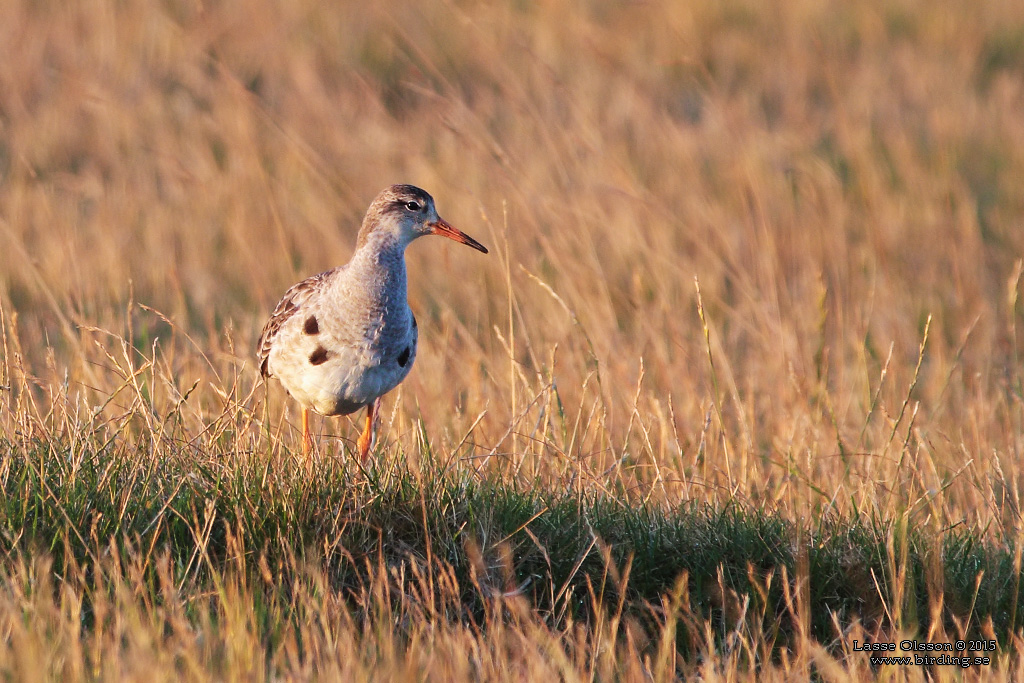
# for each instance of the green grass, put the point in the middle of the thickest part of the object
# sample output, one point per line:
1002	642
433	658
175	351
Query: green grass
572	557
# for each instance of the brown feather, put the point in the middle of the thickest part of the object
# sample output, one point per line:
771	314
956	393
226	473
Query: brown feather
286	308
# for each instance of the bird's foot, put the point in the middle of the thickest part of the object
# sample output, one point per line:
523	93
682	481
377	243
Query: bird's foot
369	435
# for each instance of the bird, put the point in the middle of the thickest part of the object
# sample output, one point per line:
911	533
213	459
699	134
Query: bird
341	339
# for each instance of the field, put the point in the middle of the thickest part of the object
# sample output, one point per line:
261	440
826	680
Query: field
737	390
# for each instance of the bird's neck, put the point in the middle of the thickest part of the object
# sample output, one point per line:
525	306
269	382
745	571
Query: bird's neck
379	266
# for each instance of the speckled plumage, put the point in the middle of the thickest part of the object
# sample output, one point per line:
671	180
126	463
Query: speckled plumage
339	340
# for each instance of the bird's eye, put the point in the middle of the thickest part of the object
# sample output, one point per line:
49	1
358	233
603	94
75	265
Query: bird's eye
413	206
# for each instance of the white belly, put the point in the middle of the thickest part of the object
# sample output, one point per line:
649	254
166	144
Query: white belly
347	380
338	387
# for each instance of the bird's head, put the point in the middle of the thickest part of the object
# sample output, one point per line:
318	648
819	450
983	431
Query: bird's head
406	212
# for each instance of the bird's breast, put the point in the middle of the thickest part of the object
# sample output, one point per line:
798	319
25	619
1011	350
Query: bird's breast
337	365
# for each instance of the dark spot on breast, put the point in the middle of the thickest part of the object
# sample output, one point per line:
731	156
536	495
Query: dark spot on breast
311	326
319	356
403	357
414	324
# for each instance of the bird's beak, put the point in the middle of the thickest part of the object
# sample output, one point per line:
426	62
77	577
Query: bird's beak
443	228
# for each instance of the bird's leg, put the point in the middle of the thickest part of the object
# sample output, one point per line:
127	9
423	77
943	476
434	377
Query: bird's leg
366	439
307	439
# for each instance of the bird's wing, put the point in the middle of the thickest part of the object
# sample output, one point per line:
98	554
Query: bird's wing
292	301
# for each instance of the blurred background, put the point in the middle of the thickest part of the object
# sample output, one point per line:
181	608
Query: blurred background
844	181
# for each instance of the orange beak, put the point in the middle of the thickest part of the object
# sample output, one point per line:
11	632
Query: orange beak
443	228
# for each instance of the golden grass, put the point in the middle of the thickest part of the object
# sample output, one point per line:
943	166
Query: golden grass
842	180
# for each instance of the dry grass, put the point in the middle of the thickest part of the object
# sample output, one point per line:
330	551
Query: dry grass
843	181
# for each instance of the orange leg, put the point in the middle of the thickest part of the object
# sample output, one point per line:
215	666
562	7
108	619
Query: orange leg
366	439
307	439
